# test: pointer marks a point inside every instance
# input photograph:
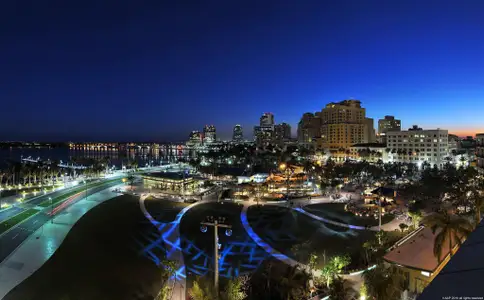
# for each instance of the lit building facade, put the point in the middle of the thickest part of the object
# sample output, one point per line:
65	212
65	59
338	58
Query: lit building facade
209	134
263	135
171	182
389	123
343	124
480	152
418	146
309	129
238	134
195	138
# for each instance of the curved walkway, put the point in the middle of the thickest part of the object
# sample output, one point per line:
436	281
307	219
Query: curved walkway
170	233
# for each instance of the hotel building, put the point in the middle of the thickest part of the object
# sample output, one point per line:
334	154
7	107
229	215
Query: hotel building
418	146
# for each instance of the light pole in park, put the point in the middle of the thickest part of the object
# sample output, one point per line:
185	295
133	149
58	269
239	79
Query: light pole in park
216	222
51	211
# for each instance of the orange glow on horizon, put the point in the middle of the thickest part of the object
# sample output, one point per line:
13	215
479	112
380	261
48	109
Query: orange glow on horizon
464	133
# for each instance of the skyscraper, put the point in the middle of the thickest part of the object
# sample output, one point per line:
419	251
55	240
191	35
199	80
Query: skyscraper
282	133
238	134
389	123
309	128
209	134
370	136
343	124
264	133
195	138
267	119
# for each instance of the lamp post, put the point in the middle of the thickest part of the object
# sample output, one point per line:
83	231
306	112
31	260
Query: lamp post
51	211
216	223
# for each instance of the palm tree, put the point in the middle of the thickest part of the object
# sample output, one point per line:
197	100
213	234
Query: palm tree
452	228
478	202
339	289
384	282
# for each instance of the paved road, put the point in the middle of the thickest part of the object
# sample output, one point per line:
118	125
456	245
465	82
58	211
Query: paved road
10	212
10	240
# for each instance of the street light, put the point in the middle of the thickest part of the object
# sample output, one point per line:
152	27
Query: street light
51	211
216	223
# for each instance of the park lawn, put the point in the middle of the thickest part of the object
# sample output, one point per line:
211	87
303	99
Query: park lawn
7	224
336	212
61	198
297	235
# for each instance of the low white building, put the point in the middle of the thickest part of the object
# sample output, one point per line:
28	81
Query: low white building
418	146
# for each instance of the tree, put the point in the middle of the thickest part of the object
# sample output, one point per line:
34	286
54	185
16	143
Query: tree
478	203
334	266
168	269
416	217
339	290
384	282
201	290
403	226
451	229
235	289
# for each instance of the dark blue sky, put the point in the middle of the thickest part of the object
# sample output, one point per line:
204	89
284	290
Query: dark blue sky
155	70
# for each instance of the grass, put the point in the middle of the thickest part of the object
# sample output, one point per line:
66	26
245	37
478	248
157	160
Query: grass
108	265
297	235
7	224
336	212
61	198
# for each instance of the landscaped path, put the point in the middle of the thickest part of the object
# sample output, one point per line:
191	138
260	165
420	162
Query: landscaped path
170	233
42	243
355	278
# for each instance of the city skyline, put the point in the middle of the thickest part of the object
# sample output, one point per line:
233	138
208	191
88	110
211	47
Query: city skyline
91	73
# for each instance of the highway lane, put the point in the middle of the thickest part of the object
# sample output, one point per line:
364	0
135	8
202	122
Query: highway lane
17	208
13	238
10	212
10	240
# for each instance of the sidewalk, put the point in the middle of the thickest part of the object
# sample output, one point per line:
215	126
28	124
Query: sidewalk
41	244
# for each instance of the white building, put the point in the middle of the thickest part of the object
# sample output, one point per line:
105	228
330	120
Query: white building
418	146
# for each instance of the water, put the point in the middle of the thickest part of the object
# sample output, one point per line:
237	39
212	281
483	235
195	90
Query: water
144	156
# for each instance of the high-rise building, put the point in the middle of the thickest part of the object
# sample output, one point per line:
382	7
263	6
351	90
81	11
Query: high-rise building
389	123
264	133
343	125
209	134
282	133
418	146
267	119
480	151
370	136
309	128
238	134
195	138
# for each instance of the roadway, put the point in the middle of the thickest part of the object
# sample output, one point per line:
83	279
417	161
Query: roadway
11	239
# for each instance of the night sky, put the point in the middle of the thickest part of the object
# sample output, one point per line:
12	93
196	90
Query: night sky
155	70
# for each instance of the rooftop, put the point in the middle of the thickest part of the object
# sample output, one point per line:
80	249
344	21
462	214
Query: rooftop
464	272
417	252
388	192
169	175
